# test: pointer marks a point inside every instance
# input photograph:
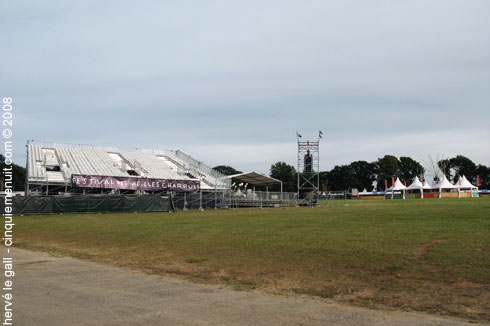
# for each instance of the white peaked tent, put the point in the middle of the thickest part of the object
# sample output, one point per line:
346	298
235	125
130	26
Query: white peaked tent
443	184
399	186
463	183
417	185
364	192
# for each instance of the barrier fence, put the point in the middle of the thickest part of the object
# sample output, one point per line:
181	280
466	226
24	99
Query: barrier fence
202	200
88	204
263	199
232	199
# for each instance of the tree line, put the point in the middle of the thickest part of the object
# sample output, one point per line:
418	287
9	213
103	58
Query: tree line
358	174
362	174
18	175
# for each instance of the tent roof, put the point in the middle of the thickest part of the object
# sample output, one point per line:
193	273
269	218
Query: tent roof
255	178
464	183
398	185
444	184
416	184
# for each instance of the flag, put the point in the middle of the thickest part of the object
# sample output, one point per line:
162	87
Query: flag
477	180
320	134
393	182
297	134
386	184
405	182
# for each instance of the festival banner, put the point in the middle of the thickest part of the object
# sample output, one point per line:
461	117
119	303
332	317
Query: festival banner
131	183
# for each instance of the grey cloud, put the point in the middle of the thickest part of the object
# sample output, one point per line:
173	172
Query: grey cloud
247	73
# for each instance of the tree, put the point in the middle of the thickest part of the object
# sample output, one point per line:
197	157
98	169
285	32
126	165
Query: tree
386	168
445	167
18	175
364	173
226	170
323	176
286	173
484	173
462	165
409	169
341	178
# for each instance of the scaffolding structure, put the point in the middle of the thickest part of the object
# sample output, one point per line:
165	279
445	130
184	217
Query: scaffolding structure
308	170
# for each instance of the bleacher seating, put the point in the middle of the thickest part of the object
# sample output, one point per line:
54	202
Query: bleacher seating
67	160
36	163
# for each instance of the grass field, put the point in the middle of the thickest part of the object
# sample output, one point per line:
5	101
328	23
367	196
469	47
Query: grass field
430	255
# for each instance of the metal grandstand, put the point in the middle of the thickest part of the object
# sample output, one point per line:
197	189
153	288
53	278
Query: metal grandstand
50	166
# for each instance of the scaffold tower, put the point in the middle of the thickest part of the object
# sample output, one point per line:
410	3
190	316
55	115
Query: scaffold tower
308	170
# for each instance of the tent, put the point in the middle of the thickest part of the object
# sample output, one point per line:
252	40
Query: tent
399	186
365	192
464	184
256	179
417	185
443	184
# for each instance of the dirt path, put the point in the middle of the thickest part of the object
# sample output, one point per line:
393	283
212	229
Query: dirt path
65	291
423	249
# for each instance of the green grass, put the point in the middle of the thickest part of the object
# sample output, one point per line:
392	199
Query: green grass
361	253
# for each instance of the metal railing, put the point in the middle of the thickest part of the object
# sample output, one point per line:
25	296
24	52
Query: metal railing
204	172
263	199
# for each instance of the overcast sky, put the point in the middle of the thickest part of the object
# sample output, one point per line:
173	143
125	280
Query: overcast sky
229	82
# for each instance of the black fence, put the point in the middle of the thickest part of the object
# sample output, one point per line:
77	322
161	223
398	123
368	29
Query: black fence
88	204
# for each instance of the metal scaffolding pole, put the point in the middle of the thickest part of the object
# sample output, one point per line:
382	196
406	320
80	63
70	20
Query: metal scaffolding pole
27	170
200	200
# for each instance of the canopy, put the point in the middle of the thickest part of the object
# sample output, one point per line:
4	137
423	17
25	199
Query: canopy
416	184
364	192
398	186
444	184
463	183
256	179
